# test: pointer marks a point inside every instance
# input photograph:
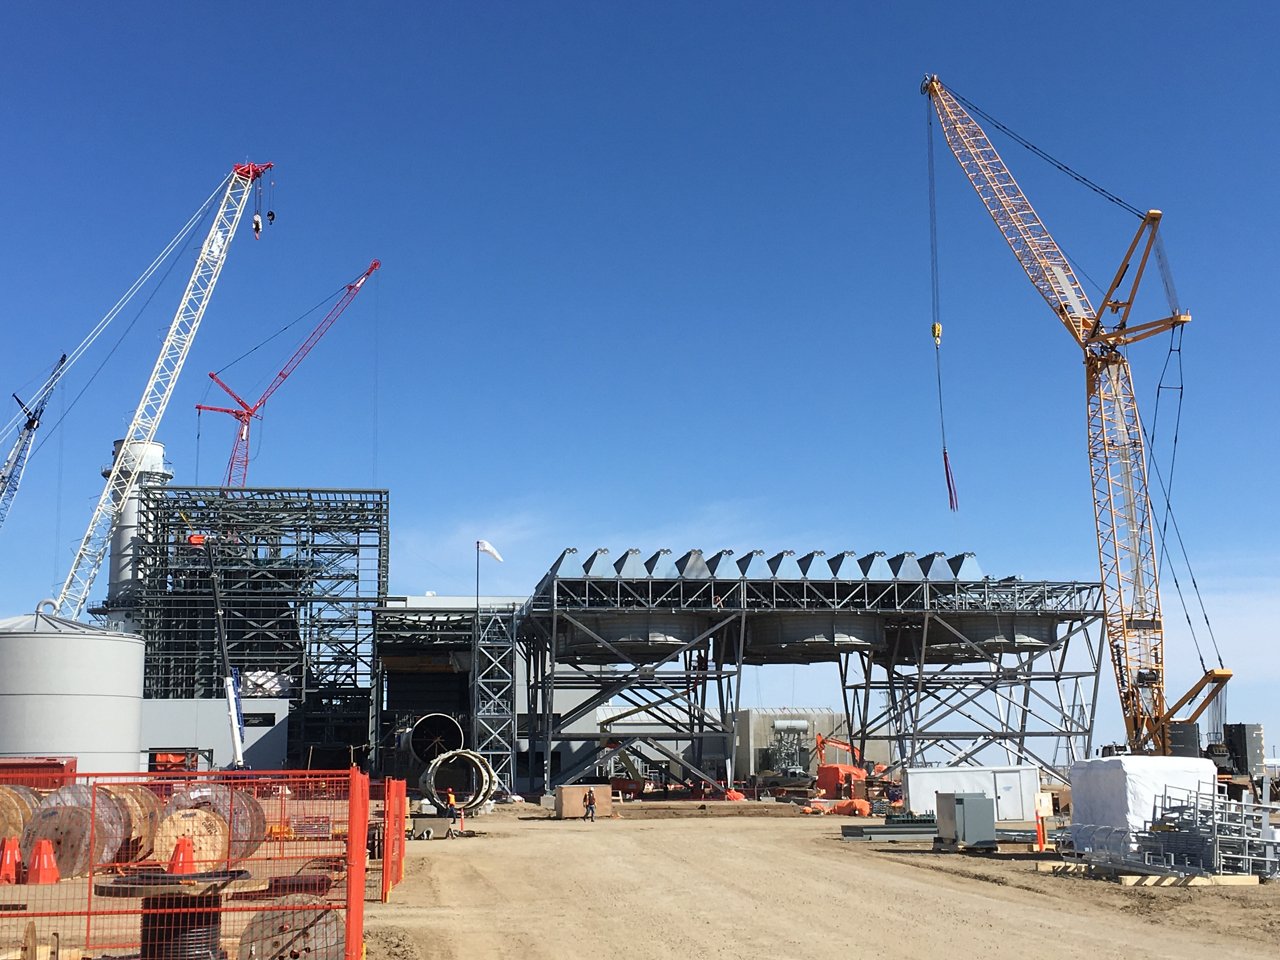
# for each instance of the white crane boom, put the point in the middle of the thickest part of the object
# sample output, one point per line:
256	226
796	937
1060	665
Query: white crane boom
146	419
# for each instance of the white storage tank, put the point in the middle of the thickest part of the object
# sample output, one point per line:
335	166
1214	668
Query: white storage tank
70	690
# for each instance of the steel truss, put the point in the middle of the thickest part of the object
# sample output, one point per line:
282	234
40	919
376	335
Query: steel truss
1034	706
300	572
946	698
493	691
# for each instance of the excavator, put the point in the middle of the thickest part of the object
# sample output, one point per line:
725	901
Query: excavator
1133	621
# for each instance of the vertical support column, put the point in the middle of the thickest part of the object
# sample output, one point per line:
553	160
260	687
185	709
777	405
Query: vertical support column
493	692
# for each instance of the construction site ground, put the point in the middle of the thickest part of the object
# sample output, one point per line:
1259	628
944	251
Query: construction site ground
688	882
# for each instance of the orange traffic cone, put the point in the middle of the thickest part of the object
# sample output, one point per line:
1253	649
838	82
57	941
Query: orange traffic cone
43	868
183	860
10	860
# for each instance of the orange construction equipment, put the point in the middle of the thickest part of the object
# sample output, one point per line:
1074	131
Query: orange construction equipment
822	743
834	778
183	860
43	868
10	860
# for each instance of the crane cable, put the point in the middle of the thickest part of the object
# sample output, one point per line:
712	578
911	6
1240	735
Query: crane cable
1175	352
953	498
1174	357
100	327
1162	260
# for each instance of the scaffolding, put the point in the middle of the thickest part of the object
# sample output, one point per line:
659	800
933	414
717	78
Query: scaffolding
300	572
941	662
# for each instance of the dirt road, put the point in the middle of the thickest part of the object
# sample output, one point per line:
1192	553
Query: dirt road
780	888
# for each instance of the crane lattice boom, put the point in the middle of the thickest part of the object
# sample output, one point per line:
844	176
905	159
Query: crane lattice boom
164	376
16	462
238	464
1117	454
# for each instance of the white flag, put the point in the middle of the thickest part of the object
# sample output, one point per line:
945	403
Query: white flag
484	546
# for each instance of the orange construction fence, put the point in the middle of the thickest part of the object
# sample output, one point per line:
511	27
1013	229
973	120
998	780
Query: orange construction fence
395	810
185	865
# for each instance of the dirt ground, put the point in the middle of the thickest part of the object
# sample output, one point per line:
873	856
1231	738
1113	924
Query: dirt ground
780	887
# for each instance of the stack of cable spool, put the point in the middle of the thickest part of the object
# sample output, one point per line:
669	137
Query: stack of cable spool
87	827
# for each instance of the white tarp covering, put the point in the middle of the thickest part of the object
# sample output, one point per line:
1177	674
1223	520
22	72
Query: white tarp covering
1121	792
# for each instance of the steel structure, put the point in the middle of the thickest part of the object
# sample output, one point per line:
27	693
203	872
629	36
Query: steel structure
300	572
155	397
16	462
493	691
944	663
451	660
245	413
1117	454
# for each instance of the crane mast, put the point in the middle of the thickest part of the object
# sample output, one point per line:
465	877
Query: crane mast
1117	454
164	376
16	462
245	413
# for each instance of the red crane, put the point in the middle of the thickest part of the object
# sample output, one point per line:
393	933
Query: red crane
245	414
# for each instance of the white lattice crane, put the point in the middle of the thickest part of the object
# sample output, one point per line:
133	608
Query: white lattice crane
173	354
16	462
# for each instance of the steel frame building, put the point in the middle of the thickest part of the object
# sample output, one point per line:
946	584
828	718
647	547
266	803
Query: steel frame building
300	572
943	663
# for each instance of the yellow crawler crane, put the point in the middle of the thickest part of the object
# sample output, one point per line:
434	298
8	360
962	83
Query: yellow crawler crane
1117	457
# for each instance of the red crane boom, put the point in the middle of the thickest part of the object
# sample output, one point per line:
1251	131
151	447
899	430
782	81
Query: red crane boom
245	413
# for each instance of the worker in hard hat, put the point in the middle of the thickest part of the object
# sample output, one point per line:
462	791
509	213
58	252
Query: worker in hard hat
589	805
451	807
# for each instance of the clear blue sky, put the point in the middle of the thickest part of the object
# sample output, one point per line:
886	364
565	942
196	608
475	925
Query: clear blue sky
654	275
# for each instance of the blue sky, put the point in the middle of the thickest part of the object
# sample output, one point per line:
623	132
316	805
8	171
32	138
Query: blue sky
654	275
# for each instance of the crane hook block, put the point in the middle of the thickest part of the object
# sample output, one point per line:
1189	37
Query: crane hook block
937	334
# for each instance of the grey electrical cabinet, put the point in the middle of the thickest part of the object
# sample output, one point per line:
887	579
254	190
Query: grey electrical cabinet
966	820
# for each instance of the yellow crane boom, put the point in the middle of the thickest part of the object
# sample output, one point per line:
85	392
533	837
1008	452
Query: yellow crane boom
1117	454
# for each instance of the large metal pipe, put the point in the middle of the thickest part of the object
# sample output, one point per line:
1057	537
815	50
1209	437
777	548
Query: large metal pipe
430	736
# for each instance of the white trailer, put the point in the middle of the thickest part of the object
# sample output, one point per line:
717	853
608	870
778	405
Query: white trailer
1013	789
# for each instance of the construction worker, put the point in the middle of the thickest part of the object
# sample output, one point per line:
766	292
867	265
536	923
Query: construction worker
589	805
451	808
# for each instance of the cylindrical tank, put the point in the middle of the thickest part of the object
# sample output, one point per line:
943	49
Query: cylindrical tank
68	690
146	461
791	726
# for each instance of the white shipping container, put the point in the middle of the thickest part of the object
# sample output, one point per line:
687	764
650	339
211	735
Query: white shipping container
1013	789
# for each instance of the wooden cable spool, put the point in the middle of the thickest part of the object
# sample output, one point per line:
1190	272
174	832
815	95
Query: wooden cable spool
210	838
143	810
14	813
238	808
111	822
27	795
69	830
298	925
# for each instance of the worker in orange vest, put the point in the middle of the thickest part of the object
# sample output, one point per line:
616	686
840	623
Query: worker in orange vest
451	807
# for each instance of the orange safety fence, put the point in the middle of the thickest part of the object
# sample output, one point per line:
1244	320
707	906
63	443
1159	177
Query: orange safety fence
185	865
395	806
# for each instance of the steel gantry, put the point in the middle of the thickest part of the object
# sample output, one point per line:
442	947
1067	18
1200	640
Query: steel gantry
935	659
